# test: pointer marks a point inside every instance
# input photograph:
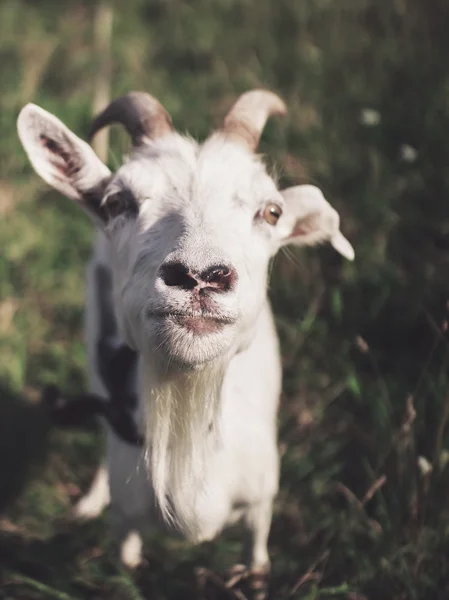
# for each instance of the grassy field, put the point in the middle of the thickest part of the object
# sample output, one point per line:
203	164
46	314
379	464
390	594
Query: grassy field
363	513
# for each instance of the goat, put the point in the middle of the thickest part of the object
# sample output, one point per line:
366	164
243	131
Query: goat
187	231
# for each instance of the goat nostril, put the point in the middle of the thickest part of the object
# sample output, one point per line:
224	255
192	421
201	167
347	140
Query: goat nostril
177	274
218	277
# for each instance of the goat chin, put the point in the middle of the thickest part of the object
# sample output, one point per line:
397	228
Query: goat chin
183	428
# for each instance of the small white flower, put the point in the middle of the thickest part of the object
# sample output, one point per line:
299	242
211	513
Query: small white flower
408	153
370	117
444	459
313	53
424	465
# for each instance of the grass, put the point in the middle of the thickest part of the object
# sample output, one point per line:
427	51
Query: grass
365	345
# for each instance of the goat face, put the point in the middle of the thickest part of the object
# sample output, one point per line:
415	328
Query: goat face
192	227
193	265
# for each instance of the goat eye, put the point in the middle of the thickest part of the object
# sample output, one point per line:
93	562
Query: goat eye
272	213
119	203
114	206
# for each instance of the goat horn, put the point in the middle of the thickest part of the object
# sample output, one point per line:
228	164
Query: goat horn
246	119
142	115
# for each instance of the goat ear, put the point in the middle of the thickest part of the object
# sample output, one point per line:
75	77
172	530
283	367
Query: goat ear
309	219
62	159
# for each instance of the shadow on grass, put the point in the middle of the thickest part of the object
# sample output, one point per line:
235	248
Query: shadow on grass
71	565
24	430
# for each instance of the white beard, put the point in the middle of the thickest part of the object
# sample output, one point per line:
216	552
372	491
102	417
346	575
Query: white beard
182	430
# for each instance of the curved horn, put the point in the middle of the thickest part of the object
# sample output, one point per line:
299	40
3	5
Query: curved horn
246	119
142	115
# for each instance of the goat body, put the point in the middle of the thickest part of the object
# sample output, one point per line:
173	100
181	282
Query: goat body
185	235
240	476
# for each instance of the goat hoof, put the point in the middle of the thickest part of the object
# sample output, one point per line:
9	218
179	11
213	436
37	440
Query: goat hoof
131	551
85	509
258	584
253	581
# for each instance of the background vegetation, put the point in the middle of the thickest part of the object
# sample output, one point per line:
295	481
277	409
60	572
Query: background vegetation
363	510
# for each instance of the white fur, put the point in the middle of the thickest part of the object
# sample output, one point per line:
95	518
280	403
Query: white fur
207	403
92	504
131	550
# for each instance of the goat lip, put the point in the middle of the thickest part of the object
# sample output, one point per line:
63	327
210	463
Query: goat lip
199	324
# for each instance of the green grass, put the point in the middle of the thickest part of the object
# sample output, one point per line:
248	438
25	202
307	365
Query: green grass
356	518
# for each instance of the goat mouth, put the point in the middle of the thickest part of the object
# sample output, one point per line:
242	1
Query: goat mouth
198	323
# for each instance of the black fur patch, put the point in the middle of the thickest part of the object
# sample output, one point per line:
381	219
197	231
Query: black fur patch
120	203
117	366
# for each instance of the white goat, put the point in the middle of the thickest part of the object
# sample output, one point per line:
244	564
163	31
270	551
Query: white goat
188	230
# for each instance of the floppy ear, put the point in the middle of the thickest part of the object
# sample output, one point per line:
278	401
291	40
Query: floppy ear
62	159
308	219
